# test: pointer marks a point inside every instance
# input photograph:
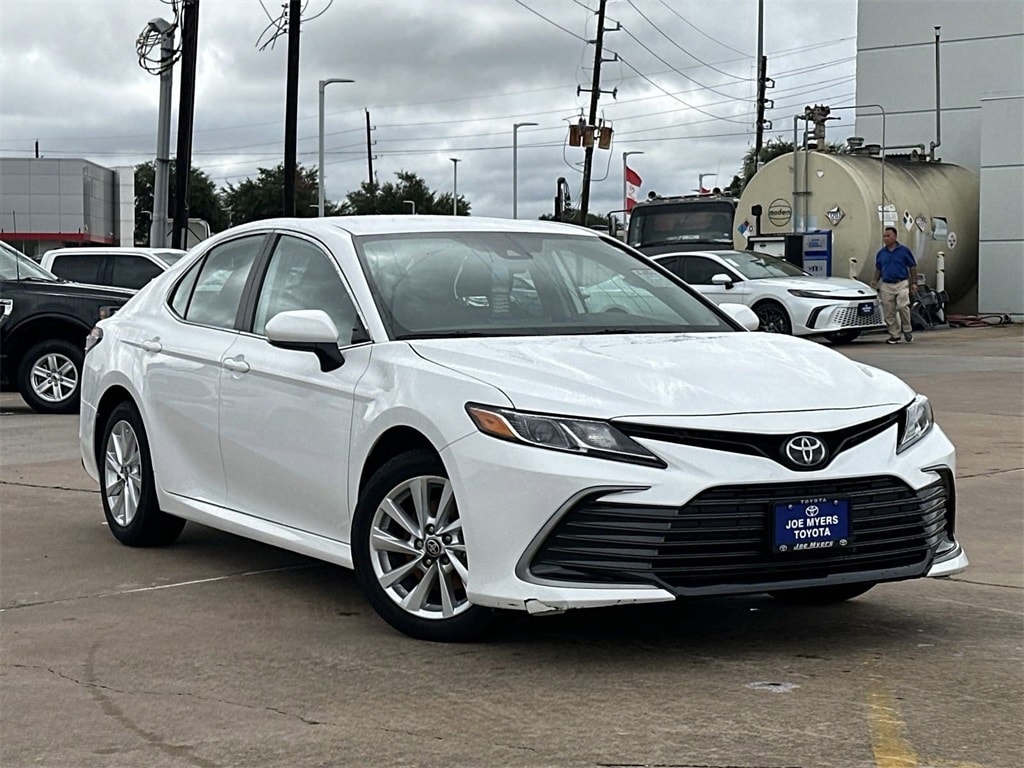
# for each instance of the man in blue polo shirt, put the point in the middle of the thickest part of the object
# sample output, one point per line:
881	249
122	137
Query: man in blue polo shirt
895	281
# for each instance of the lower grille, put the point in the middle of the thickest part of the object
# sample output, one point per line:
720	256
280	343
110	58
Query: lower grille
851	318
722	537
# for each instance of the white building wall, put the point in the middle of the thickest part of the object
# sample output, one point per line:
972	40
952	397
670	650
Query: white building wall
982	78
1001	256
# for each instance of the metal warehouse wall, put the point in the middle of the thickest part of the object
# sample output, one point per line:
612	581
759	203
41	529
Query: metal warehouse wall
982	83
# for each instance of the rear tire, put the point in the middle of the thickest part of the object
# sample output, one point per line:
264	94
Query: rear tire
773	317
841	337
127	486
50	376
410	553
839	593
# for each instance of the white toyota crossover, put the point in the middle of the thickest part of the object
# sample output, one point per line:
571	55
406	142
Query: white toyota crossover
480	414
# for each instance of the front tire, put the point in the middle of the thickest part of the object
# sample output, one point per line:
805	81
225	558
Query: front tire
50	376
127	486
410	553
839	593
773	317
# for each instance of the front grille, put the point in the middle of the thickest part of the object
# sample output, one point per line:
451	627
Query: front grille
851	318
721	538
767	446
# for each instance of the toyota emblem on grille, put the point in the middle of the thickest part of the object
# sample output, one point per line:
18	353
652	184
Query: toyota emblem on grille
806	451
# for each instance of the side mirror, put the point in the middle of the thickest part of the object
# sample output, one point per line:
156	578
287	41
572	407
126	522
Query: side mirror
722	279
742	314
307	330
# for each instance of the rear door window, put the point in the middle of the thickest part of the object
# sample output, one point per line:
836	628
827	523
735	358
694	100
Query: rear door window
79	268
132	271
216	293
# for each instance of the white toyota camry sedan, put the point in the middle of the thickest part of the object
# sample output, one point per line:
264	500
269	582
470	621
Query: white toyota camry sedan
480	414
785	298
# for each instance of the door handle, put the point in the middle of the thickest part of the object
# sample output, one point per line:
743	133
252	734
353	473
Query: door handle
236	364
152	345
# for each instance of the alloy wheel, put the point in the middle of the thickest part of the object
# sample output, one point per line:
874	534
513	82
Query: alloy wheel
122	473
54	377
417	548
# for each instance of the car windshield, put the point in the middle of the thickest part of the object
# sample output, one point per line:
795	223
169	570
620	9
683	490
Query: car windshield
15	265
757	266
703	222
445	284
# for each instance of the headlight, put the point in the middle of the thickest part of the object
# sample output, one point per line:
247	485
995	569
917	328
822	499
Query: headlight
581	436
809	294
916	422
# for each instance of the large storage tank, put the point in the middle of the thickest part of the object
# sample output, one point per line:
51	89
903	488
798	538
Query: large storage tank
933	205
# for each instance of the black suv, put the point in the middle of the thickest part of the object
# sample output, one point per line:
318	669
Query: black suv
43	324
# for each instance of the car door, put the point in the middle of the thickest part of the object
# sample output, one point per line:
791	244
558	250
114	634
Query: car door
285	423
183	357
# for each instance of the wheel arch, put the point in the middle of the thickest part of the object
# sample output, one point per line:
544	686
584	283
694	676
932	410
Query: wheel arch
393	442
42	328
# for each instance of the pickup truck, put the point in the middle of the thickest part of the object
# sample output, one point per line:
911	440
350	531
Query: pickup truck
43	324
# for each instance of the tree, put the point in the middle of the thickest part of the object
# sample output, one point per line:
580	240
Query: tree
204	200
394	197
769	151
594	221
263	198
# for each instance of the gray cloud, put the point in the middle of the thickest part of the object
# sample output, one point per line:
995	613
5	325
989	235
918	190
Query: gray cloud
441	79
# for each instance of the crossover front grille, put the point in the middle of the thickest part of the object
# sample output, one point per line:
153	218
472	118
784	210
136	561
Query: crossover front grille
851	318
720	539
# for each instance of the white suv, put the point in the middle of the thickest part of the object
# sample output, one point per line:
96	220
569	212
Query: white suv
119	267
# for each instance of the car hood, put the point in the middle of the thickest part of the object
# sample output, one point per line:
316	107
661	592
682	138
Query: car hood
61	288
667	374
824	285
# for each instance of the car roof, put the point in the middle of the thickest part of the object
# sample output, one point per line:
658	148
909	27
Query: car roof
112	250
414	223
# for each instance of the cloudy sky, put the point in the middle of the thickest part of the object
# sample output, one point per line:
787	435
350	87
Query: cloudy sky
440	79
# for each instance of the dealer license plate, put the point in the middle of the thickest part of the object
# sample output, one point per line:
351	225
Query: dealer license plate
811	524
866	308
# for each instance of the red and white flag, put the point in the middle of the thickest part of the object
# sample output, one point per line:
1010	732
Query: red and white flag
633	182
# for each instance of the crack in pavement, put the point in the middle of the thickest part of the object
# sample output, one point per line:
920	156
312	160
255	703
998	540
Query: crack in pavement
49	487
158	587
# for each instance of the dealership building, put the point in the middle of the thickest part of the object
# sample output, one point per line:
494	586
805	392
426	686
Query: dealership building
48	203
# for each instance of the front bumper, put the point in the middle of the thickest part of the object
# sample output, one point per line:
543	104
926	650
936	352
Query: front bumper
530	549
814	316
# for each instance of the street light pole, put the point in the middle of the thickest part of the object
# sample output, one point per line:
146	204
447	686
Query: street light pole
320	167
625	199
515	168
455	185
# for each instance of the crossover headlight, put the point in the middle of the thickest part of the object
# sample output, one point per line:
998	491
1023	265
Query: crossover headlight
809	294
916	421
581	436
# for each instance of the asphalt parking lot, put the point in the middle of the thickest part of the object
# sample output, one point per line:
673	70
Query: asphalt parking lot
218	652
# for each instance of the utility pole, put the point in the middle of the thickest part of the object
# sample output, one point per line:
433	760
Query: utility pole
369	163
762	83
291	105
186	108
595	94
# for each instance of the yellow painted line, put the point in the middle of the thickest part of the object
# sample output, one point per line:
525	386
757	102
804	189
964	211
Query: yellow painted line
889	743
888	733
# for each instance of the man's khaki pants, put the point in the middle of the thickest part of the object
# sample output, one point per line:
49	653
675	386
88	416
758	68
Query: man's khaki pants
895	299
